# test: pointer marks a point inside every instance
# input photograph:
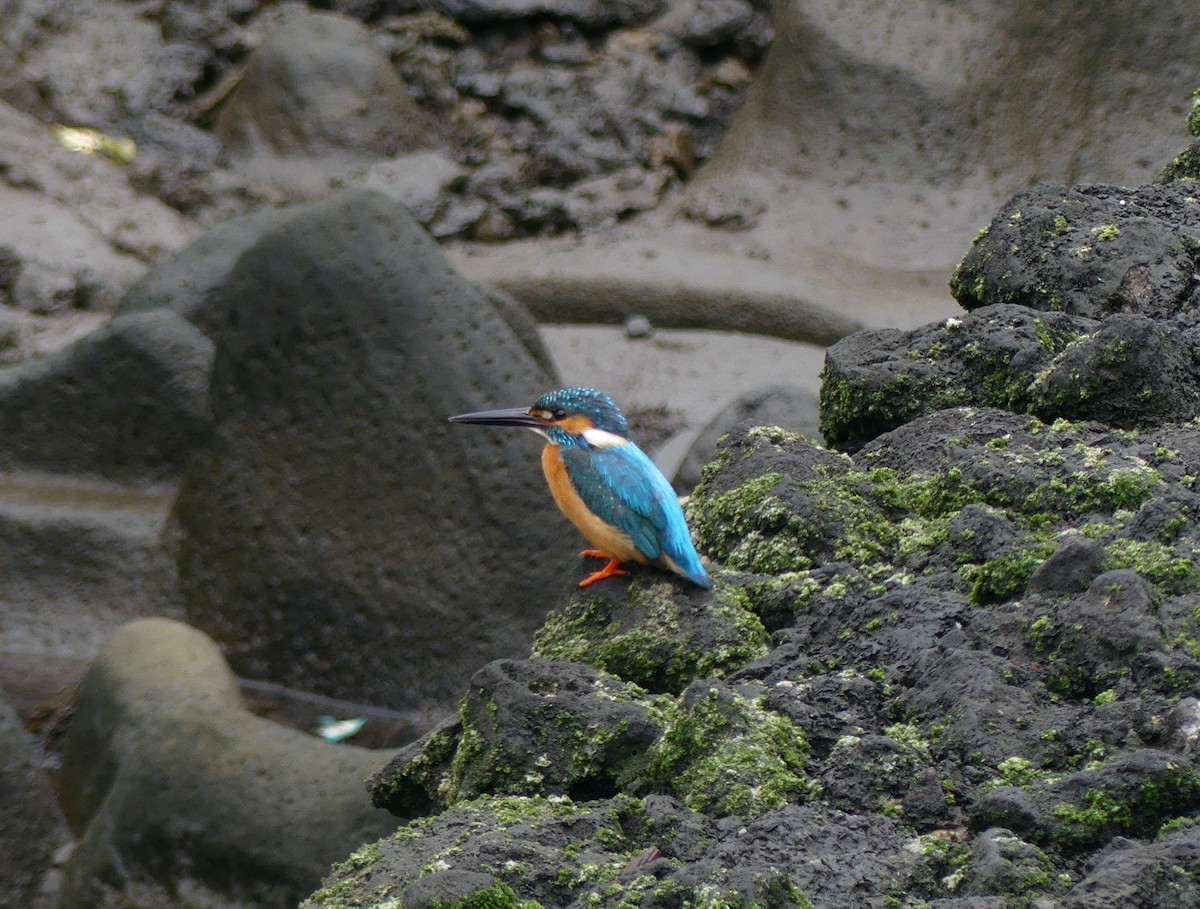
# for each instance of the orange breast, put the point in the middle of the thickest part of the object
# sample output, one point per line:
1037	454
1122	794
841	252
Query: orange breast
609	540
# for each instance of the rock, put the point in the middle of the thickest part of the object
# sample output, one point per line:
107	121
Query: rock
588	13
31	830
874	769
907	149
1132	794
1091	250
527	721
81	64
128	400
1010	806
651	851
1127	371
653	632
190	283
14	338
1130	875
175	788
795	409
1002	863
318	88
333	504
74	233
717	21
93	194
637	327
81	557
418	181
1183	167
1069	569
450	887
911	671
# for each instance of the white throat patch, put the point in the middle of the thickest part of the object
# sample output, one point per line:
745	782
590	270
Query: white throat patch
602	438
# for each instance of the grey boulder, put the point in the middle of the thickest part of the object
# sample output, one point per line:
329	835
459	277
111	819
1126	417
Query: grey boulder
336	533
181	797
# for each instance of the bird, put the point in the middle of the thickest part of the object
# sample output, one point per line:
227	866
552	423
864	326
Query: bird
607	486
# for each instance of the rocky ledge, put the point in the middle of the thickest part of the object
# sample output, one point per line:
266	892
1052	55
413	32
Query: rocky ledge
959	667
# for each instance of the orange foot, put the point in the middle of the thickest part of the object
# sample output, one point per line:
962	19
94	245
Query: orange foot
613	568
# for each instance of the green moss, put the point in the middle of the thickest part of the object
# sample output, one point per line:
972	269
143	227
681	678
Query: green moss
360	858
498	896
939	868
1106	232
725	755
1104	813
749	529
1039	632
850	413
655	651
1184	167
1156	562
423	782
910	736
1071	681
940	495
1016	771
1093	822
1005	577
1094	490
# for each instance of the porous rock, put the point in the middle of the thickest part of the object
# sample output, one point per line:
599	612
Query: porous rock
129	400
1129	370
1090	250
1142	875
914	670
190	282
173	788
528	720
652	849
334	511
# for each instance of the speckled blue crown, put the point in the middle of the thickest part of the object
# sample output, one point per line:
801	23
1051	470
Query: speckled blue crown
595	405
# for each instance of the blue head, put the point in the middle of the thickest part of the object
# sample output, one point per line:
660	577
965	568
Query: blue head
570	412
567	417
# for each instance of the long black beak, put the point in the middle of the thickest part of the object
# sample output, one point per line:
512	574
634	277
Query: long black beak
513	416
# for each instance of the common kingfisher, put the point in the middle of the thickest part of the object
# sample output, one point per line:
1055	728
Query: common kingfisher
604	483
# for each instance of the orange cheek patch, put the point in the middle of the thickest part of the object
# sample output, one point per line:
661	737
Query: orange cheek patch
576	425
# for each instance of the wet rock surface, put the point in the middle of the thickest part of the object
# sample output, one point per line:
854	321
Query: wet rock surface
1083	305
977	636
976	639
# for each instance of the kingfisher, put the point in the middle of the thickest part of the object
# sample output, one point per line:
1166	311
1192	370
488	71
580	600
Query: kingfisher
604	483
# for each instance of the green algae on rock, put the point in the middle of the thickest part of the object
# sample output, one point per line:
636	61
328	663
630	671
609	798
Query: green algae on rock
990	608
724	753
655	636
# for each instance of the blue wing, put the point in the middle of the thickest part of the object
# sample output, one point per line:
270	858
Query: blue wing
622	486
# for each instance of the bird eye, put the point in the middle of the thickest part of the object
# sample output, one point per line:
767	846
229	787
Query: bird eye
558	415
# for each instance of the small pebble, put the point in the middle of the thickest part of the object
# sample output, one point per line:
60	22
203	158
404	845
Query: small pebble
638	327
